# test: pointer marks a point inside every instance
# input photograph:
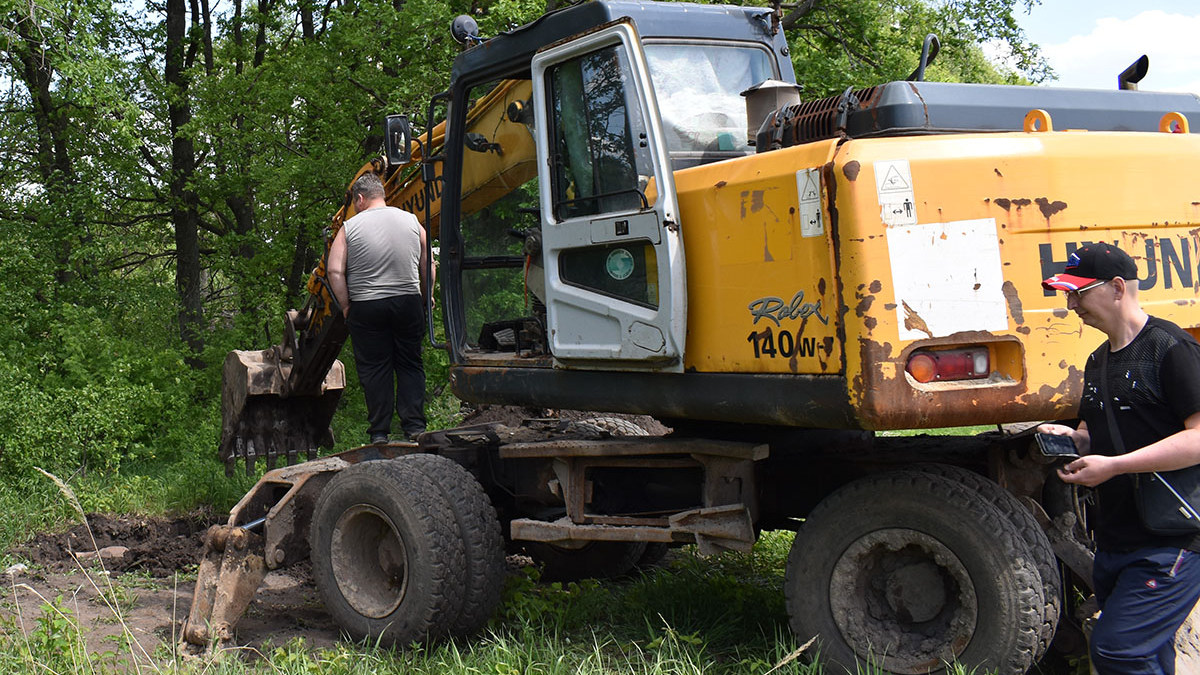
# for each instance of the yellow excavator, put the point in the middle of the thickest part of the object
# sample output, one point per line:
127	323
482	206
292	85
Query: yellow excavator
637	211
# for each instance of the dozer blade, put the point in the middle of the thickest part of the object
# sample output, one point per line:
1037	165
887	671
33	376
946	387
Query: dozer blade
230	573
261	419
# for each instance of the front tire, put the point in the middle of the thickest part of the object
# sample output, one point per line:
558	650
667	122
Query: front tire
387	554
483	578
908	572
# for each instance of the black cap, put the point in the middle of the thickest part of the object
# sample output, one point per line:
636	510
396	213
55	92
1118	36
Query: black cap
1092	263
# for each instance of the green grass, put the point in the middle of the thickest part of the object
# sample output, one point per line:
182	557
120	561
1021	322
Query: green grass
722	615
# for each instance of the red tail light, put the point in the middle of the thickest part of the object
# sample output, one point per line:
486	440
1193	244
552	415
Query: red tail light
950	364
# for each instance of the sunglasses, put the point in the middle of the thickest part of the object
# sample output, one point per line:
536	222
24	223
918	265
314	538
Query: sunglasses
1078	292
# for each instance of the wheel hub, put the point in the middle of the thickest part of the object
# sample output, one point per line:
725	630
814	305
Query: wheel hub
369	561
903	600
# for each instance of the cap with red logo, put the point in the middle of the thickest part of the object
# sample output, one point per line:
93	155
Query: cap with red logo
1092	263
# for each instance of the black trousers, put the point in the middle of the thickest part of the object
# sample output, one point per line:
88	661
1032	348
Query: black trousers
386	335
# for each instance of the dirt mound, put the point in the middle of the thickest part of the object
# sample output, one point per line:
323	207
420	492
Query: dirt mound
512	416
125	543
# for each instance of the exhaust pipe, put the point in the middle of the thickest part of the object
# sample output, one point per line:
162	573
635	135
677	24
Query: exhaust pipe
1129	77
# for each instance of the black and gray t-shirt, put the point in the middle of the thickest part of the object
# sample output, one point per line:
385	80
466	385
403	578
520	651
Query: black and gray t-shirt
1154	382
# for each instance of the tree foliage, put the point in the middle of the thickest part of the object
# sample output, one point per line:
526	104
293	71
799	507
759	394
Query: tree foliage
168	169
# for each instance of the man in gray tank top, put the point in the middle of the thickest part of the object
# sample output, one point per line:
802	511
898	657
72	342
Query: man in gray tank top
377	268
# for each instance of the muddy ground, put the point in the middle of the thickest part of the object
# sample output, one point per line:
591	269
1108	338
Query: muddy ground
150	564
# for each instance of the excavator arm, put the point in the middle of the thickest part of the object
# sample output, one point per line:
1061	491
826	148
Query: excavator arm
278	402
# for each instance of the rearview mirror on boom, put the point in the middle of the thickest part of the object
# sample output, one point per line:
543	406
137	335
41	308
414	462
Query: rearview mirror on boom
397	139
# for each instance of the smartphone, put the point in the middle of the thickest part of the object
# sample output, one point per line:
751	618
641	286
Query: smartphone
1057	446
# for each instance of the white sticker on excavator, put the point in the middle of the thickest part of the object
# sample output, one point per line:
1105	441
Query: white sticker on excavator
894	185
808	187
948	278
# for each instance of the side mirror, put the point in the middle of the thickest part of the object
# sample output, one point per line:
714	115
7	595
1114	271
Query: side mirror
397	139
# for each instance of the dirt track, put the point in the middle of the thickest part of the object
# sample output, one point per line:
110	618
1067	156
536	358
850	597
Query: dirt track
151	563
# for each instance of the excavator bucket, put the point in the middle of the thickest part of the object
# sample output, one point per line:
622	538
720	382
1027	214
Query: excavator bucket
229	575
261	420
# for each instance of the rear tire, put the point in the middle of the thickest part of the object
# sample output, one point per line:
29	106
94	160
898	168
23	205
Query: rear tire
613	426
387	554
1035	540
480	532
594	559
591	560
909	571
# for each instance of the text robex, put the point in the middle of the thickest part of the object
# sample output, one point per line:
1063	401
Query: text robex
773	308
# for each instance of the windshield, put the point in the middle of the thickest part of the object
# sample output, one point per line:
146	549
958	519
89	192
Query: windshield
699	88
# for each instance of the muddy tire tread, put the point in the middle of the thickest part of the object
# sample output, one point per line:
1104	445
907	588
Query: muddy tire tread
1033	534
874	498
483	578
613	426
408	496
597	560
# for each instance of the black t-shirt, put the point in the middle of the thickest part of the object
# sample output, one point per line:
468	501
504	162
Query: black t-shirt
1155	384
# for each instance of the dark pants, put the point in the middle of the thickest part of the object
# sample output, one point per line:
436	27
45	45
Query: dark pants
386	334
1144	596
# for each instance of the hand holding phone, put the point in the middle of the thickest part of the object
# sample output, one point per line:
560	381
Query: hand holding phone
1055	446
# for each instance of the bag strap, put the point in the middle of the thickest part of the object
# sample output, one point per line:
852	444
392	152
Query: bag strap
1114	432
1119	444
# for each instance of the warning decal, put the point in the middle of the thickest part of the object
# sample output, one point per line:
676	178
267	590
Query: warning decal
894	185
808	186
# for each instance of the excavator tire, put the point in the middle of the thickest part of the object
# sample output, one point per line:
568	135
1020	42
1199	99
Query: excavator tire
591	560
480	531
387	554
596	559
613	426
653	555
1035	539
907	572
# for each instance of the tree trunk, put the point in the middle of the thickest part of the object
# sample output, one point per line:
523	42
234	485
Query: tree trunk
185	209
35	66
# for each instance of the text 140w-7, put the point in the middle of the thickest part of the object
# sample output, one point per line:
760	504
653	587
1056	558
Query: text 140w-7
781	344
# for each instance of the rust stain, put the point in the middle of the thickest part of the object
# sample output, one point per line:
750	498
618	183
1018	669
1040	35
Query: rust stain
913	321
821	286
1003	203
851	169
721	184
1022	203
998	173
1049	208
875	286
1024	330
864	305
870	322
1063	364
1014	302
889	306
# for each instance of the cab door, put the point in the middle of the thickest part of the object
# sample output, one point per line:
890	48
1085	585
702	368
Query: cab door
615	286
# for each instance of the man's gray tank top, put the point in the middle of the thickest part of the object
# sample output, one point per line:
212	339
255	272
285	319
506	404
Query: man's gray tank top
383	254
